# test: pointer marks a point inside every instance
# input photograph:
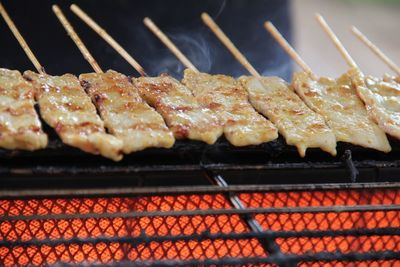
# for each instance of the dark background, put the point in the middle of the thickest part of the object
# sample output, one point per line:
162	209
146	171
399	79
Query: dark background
240	19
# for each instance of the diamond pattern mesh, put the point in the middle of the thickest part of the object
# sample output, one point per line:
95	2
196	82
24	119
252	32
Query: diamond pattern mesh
106	234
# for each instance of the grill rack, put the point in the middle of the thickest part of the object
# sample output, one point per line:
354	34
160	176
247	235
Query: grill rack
28	176
189	159
352	236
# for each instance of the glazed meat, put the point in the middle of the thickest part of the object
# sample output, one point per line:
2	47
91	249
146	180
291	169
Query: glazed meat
66	107
344	112
180	110
20	127
243	126
124	112
382	100
390	78
299	125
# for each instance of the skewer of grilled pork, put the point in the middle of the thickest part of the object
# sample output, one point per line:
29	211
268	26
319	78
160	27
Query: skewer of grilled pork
226	97
179	108
300	126
355	79
243	126
337	102
381	98
66	108
275	99
124	112
20	127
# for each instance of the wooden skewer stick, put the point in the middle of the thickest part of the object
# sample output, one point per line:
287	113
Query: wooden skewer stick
336	41
74	36
376	50
103	34
288	48
228	43
21	40
165	40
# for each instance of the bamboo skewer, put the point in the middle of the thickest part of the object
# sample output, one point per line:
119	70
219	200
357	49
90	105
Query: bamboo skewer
288	48
376	50
74	36
103	34
228	43
165	40
21	40
350	62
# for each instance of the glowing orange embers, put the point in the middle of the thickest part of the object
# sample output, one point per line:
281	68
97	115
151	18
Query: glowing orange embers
297	221
55	229
104	230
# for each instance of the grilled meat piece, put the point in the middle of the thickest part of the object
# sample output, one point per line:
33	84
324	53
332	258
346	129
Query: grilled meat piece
181	111
66	107
124	112
390	78
229	100
299	125
344	112
20	127
382	100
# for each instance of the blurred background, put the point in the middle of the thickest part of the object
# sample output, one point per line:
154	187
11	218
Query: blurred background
240	19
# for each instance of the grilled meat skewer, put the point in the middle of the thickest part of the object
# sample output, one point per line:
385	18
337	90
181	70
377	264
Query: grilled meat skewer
243	126
185	117
344	112
381	98
124	112
20	127
300	126
66	107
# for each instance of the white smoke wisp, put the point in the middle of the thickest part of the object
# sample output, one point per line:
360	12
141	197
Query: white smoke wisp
280	70
195	48
222	7
169	65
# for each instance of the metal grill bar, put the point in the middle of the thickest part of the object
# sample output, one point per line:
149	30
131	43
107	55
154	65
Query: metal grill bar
246	212
289	258
145	191
144	239
104	169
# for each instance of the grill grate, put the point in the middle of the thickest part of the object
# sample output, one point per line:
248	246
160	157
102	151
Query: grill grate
60	207
311	225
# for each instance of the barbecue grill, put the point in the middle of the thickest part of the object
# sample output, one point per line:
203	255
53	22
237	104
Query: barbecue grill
198	204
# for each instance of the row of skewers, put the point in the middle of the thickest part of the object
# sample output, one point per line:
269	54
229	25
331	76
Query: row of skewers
110	114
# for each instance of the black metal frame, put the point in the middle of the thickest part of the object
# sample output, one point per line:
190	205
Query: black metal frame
187	161
216	164
266	238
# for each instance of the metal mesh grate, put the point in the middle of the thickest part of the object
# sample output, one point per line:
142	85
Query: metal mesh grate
334	227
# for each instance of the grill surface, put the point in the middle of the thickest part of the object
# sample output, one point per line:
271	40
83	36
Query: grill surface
58	165
330	225
63	207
